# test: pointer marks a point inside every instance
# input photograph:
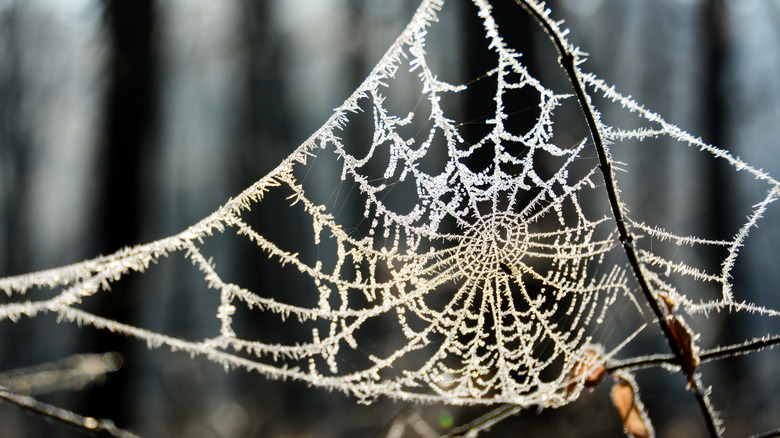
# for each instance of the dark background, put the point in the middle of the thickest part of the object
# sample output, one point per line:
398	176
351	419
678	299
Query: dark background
122	122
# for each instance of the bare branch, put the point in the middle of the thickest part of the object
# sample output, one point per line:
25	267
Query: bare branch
90	425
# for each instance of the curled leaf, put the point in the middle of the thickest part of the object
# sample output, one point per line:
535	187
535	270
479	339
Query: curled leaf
636	423
590	369
690	354
668	301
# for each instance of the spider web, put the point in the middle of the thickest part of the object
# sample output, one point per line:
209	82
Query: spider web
484	284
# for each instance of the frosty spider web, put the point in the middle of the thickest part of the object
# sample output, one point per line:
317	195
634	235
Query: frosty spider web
488	286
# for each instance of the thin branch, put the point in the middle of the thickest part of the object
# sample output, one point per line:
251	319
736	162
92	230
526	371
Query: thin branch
640	362
64	416
740	349
471	429
717	353
569	61
769	434
406	417
68	374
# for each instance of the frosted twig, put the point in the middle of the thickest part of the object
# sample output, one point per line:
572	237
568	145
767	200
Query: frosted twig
86	424
485	422
713	354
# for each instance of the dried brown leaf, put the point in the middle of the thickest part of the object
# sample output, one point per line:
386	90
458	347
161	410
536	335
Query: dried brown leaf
668	302
590	369
631	410
690	357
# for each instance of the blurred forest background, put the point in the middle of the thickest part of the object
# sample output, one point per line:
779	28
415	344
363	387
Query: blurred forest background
122	122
